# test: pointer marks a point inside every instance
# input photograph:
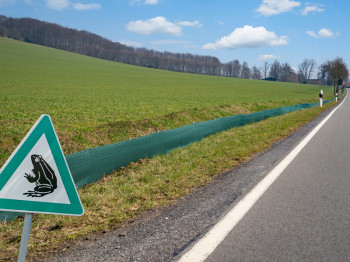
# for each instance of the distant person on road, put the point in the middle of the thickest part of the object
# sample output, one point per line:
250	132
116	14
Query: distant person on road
321	97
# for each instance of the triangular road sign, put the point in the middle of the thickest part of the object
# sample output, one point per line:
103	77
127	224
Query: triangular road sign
36	177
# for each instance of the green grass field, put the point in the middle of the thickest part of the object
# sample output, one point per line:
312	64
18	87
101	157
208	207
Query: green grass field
94	102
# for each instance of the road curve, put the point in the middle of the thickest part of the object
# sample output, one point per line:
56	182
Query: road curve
164	234
305	214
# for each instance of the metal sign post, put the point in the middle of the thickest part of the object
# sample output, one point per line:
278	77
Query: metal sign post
25	237
36	179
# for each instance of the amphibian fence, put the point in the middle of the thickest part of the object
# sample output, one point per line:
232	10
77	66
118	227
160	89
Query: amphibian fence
90	165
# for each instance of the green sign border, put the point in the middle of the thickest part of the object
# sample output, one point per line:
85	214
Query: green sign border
42	126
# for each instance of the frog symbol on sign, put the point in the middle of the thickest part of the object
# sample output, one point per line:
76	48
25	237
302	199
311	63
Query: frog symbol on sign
44	178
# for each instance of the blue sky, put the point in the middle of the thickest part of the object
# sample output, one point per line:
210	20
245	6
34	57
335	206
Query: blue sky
248	30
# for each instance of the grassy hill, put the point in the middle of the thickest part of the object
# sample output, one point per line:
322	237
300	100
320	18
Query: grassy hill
94	102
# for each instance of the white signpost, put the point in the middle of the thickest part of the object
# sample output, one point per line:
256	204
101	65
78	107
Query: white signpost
37	179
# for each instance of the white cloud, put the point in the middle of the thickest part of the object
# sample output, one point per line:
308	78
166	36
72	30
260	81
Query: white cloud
311	9
268	57
248	36
146	2
219	22
83	7
323	33
160	25
312	34
157	25
275	7
57	5
193	24
151	2
131	43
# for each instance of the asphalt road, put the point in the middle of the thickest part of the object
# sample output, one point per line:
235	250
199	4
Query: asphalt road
305	214
165	234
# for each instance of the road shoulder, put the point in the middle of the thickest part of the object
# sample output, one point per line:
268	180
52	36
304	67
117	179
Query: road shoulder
165	233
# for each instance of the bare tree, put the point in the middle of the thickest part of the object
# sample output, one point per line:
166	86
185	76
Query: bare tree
245	73
236	68
256	74
287	74
265	69
337	71
306	69
312	66
275	70
323	74
228	69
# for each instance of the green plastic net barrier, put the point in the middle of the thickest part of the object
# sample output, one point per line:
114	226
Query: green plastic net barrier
91	165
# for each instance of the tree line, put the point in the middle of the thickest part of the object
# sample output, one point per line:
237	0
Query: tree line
83	42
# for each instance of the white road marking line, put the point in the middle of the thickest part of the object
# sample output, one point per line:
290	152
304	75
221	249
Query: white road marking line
205	246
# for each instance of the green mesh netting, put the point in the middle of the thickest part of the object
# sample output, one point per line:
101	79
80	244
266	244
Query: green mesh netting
90	165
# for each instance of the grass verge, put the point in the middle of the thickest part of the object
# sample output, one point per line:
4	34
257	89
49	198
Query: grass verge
150	183
93	102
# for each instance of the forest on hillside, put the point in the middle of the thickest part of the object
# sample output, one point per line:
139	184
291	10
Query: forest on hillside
86	43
